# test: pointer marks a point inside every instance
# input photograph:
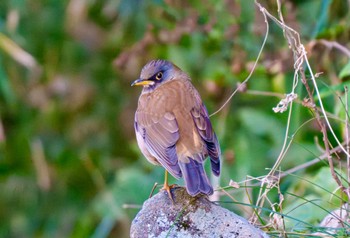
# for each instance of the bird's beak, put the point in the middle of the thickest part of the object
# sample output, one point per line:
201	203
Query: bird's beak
142	82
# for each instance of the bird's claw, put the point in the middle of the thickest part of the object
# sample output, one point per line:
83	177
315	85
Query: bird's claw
168	188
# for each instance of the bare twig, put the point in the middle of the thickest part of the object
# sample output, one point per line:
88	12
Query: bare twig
347	136
322	107
298	63
323	130
242	85
17	53
289	171
310	163
153	188
265	93
334	44
2	132
40	165
300	60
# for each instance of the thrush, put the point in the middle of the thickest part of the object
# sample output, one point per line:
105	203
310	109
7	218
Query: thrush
173	128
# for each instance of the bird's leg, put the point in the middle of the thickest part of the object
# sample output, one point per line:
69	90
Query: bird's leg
166	186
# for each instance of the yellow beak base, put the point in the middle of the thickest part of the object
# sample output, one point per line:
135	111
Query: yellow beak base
140	82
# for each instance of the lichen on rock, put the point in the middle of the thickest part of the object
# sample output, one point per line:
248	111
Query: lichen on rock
188	217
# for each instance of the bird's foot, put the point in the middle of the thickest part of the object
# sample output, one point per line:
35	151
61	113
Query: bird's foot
168	188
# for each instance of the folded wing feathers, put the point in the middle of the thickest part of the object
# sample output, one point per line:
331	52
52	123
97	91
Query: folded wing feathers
206	132
160	138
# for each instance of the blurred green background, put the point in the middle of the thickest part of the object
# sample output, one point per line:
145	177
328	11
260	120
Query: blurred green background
69	163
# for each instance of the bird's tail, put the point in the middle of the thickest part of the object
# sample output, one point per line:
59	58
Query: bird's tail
196	179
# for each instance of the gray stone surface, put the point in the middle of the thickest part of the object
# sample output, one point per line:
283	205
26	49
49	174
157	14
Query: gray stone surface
188	217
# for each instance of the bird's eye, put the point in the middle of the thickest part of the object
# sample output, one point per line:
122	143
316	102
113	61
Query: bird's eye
159	75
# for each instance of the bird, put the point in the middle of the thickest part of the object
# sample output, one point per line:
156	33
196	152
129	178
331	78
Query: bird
173	129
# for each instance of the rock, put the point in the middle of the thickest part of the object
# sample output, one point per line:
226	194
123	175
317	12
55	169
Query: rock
188	217
334	222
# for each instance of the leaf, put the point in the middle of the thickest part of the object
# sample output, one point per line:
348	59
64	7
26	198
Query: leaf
262	124
345	71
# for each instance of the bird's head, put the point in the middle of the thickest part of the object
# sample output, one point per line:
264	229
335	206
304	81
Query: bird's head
157	72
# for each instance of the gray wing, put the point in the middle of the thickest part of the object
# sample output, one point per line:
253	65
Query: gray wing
158	136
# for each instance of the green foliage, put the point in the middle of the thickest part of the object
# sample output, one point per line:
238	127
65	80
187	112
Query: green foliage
69	164
312	203
345	72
